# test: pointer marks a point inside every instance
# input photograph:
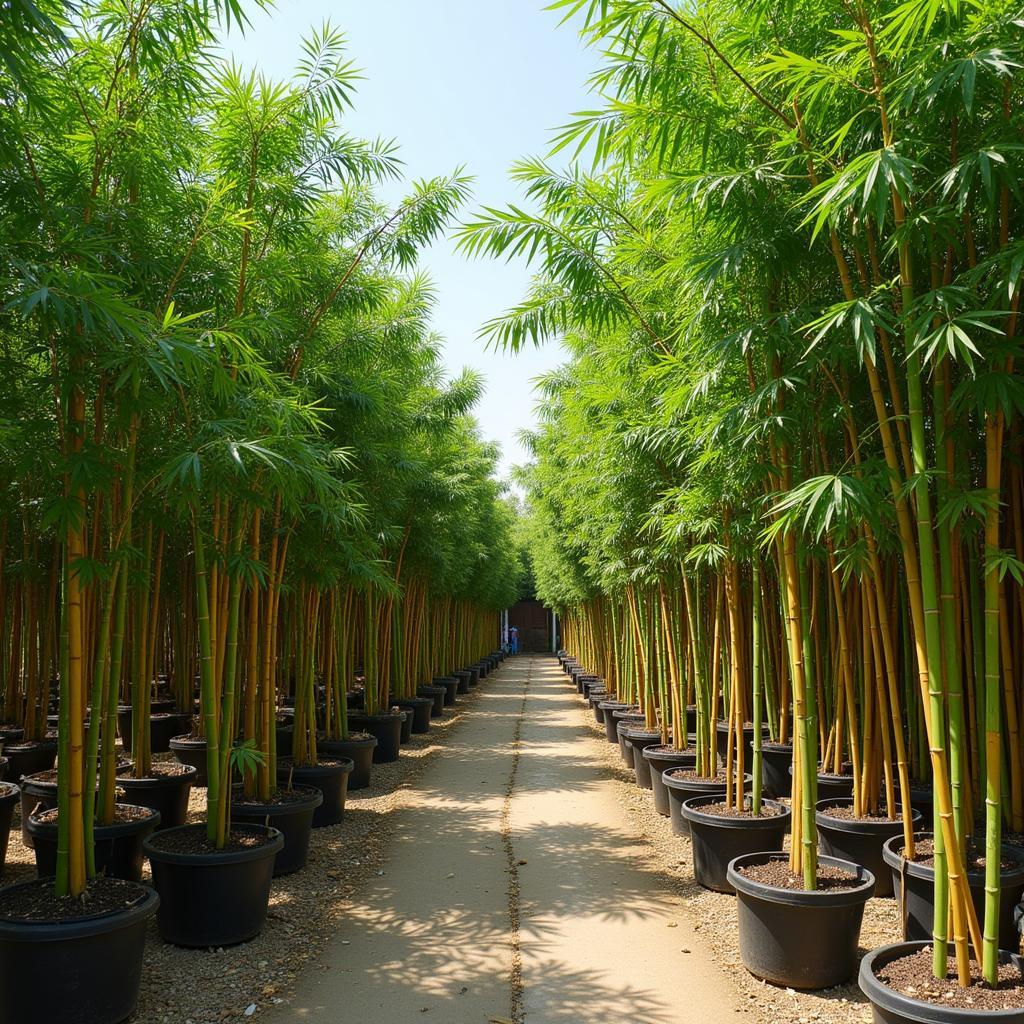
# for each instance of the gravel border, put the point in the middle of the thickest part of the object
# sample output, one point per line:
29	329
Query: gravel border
189	986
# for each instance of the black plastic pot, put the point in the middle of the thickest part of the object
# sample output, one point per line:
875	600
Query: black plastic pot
451	688
623	722
357	749
166	794
30	758
9	796
79	971
607	708
118	846
213	899
834	787
718	840
892	1007
293	818
722	741
405	733
776	762
474	675
437	694
796	938
190	750
38	794
162	729
639	738
11	733
386	726
592	684
859	841
680	790
914	888
659	759
595	700
464	678
284	737
421	708
332	775
3	768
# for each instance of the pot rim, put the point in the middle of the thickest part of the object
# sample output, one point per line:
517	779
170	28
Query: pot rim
873	827
889	999
691	811
632	733
9	791
925	871
36	827
379	716
668	755
185	741
366	741
333	765
613	705
214	858
13	748
776	746
416	702
683	784
814	898
81	927
314	798
156	781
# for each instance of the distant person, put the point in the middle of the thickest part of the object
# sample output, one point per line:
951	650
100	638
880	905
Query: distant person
513	639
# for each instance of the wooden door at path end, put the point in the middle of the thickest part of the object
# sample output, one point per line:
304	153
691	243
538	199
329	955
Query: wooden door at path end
533	621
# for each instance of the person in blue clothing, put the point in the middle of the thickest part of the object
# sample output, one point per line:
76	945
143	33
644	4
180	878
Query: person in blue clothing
513	639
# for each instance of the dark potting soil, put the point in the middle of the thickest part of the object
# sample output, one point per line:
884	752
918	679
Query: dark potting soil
690	775
47	776
286	763
161	770
845	812
667	748
123	813
195	841
37	901
924	854
912	975
297	795
845	771
722	810
776	873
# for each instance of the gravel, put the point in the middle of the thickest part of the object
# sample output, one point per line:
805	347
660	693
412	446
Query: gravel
188	986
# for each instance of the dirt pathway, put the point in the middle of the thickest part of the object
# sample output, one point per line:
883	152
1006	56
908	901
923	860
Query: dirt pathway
512	891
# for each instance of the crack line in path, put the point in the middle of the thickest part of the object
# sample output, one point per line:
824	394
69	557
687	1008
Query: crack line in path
516	1014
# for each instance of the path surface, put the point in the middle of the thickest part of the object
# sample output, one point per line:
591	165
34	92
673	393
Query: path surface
512	892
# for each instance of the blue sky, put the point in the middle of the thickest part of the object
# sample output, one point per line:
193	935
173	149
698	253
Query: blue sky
473	82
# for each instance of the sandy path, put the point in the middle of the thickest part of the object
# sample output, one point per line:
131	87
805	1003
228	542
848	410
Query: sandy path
489	908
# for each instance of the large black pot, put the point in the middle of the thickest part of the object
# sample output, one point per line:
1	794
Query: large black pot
284	737
623	722
166	794
639	738
796	938
82	970
718	840
387	727
163	728
421	708
357	749
892	1007
474	675
437	694
118	846
680	790
9	796
722	741
11	733
776	762
331	775
465	678
213	899
291	814
30	758
38	794
834	787
191	750
859	841
608	708
3	768
595	700
914	888
659	759
451	688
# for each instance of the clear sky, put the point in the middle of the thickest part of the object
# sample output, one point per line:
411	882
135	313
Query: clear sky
473	82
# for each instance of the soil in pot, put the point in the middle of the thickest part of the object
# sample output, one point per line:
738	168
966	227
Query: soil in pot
118	845
291	812
211	897
776	762
437	695
914	886
191	750
11	733
29	758
9	796
165	790
659	759
387	727
902	988
859	839
683	784
638	739
794	937
358	749
720	833
421	708
331	775
70	960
